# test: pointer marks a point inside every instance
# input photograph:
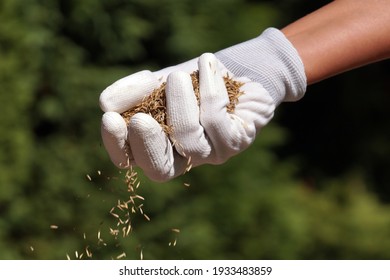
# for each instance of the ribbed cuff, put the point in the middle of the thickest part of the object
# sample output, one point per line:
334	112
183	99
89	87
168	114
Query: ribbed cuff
271	60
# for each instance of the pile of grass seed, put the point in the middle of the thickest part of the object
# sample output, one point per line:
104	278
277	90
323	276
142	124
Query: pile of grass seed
155	103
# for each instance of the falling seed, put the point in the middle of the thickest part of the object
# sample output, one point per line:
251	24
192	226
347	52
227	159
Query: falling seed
89	177
121	256
114	232
128	230
186	184
176	230
141	255
99	172
32	248
89	254
67	256
115	215
137	196
147	217
53	226
188	168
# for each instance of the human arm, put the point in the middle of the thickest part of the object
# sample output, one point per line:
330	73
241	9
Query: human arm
206	133
340	36
329	41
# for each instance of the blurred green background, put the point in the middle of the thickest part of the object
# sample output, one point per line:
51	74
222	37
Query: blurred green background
315	185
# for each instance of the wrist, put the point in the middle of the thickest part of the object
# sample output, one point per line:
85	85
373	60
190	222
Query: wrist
271	60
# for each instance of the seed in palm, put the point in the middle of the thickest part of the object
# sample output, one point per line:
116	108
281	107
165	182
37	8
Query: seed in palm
155	103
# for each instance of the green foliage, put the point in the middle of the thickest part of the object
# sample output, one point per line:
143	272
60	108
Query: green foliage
57	56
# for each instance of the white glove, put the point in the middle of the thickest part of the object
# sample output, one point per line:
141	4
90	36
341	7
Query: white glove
208	134
123	95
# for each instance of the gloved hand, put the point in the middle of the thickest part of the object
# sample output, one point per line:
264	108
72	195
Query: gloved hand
268	65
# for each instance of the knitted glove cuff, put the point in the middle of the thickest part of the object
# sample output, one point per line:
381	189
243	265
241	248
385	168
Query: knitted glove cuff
271	60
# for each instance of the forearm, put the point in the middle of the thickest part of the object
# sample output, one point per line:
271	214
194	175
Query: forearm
342	35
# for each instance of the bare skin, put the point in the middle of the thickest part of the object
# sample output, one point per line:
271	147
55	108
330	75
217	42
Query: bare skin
340	36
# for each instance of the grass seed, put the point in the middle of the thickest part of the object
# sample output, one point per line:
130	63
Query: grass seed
155	103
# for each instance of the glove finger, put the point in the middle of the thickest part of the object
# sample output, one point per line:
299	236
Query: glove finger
128	91
255	107
183	111
225	130
114	135
152	149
